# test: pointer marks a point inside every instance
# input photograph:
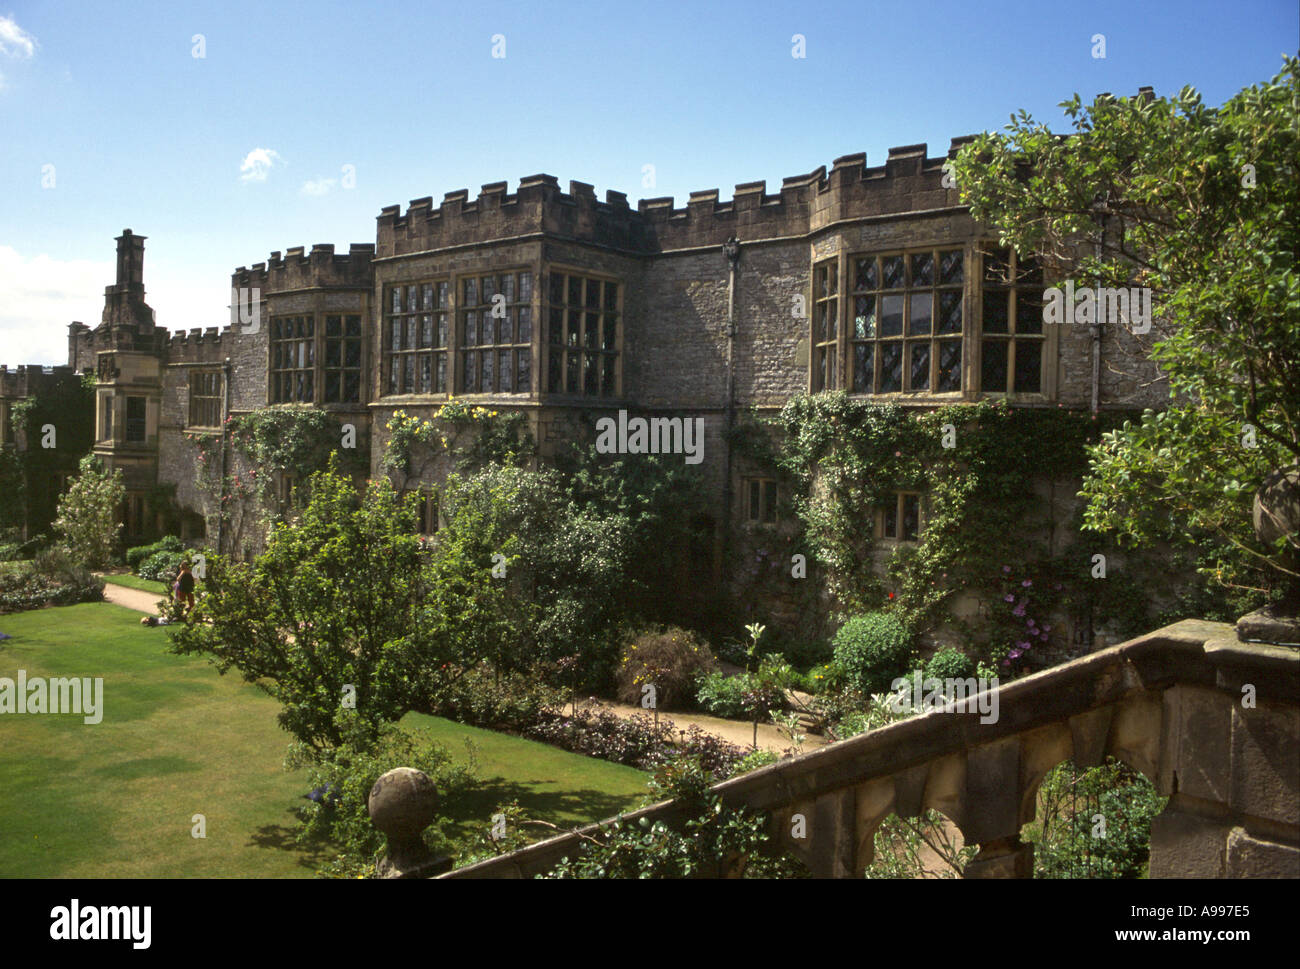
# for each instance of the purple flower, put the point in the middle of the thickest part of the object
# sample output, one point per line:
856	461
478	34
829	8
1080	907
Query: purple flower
1023	645
1006	568
1047	629
1043	636
1008	598
1027	583
1019	610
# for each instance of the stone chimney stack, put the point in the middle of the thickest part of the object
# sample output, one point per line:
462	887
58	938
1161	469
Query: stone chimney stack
130	261
125	309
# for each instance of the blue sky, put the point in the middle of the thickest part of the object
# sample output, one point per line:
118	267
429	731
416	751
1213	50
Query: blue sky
222	158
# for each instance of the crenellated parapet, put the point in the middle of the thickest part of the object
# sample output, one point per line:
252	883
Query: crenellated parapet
538	206
909	181
28	379
198	345
297	270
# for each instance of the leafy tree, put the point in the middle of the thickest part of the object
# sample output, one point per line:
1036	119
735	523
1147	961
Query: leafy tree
566	566
1201	205
87	520
346	609
657	503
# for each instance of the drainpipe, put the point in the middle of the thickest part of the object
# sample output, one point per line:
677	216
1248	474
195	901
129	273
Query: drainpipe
225	413
731	249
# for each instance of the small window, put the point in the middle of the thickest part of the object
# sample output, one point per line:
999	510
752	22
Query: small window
760	500
1013	346
900	519
106	417
205	398
136	426
826	287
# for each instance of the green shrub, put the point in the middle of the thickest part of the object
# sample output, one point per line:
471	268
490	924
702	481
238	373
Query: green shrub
722	695
670	658
344	775
754	760
136	555
744	696
712	841
512	701
1068	837
873	650
162	566
949	664
52	579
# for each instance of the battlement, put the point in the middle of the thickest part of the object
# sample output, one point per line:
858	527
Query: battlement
537	206
198	345
322	268
909	180
27	379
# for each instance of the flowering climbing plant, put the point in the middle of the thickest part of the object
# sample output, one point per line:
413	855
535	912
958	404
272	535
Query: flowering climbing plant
466	437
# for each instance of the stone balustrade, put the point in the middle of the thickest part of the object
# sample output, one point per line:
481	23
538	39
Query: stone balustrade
1213	722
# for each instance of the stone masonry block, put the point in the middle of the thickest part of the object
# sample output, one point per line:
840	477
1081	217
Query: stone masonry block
992	792
1202	744
1266	762
1090	731
1185	845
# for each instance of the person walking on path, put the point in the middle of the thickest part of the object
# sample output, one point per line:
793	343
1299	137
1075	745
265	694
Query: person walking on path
184	586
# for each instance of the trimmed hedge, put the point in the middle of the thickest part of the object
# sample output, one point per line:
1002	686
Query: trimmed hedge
873	650
135	556
162	566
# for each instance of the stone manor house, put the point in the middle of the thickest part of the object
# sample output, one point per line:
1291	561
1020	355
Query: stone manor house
873	279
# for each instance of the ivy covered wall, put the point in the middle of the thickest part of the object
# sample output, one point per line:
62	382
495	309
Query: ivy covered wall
1001	566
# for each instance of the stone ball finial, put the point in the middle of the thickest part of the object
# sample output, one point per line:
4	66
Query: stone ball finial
402	804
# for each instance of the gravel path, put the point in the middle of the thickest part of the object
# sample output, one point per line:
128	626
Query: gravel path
135	599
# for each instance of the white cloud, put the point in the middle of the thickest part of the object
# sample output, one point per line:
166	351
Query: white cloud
14	41
320	186
39	297
257	164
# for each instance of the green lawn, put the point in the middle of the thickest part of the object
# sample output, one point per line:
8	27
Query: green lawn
115	799
135	582
557	786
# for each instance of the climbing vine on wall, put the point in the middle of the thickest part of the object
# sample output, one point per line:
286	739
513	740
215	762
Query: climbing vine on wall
982	469
291	438
472	437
